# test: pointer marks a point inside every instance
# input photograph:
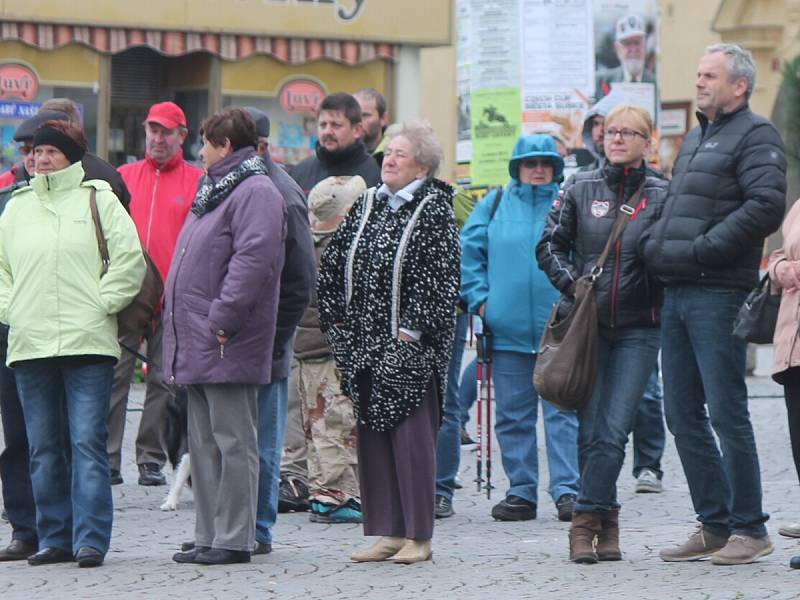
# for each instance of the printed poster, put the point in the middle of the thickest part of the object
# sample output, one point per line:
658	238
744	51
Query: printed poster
495	129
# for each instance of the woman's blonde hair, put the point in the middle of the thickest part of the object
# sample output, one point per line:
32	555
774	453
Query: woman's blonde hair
640	116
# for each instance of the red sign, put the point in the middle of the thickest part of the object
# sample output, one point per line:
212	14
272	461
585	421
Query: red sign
301	95
18	81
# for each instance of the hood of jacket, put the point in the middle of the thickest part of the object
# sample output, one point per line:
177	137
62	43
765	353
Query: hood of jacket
601	109
531	146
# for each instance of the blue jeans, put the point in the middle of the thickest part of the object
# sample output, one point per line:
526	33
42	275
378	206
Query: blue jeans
516	408
14	460
625	362
649	433
68	517
704	385
468	391
448	448
273	399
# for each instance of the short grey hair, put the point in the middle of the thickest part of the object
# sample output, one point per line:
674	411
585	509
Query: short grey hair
427	149
741	65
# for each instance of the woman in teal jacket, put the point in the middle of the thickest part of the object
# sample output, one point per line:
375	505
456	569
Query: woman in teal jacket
501	281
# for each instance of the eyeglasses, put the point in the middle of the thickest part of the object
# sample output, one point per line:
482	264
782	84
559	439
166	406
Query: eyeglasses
627	134
25	149
540	163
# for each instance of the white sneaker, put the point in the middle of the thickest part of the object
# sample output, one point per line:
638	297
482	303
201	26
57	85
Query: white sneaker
792	530
648	482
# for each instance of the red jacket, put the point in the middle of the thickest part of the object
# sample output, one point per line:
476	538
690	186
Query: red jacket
9	177
160	201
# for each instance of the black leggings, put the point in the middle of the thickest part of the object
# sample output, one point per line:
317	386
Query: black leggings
791	391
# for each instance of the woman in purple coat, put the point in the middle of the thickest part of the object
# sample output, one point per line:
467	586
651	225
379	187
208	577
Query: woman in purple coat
219	324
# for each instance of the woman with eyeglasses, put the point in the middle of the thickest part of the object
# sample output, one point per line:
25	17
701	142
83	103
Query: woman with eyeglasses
628	302
501	282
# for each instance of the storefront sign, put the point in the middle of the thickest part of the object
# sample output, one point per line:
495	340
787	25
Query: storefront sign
18	110
347	10
301	96
18	81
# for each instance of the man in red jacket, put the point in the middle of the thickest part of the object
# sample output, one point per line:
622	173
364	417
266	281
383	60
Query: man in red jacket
162	188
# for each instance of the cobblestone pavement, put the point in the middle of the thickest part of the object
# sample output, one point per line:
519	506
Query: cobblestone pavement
474	558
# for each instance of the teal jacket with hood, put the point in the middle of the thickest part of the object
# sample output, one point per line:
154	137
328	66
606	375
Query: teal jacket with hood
498	255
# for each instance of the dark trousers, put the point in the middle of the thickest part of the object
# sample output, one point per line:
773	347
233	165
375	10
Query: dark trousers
14	460
704	388
791	390
397	469
649	432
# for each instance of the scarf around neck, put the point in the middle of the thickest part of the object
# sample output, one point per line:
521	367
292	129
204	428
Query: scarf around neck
211	195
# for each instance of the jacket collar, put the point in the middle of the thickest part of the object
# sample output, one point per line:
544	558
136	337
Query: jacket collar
722	117
171	163
630	178
65	179
345	155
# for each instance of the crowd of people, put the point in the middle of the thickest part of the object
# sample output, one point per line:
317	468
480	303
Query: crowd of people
314	319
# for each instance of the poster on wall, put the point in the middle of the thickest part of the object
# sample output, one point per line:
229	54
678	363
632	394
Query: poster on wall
495	129
562	56
626	49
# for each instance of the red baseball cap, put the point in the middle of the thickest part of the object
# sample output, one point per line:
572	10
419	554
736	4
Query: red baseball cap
167	114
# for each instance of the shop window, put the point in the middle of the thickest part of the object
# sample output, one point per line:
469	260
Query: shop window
293	136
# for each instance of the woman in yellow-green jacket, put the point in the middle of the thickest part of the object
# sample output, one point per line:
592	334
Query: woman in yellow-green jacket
63	338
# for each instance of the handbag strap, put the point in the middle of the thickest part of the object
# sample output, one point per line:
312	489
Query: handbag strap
626	211
102	245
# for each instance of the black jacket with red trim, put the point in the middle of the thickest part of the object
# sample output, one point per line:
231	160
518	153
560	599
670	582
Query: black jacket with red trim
578	228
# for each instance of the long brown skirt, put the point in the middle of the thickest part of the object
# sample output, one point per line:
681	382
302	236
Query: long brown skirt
397	469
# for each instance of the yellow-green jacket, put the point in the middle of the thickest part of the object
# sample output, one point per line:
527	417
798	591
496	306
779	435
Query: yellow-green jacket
51	293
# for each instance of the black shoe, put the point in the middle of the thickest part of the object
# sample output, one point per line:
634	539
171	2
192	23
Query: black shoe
795	562
116	477
150	474
218	556
465	439
88	557
49	556
190	555
514	508
565	506
186	546
260	548
292	495
18	550
444	508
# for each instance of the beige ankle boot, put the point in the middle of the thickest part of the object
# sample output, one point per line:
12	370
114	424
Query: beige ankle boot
414	551
384	548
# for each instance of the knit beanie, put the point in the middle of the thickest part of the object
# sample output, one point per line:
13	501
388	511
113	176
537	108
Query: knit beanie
51	136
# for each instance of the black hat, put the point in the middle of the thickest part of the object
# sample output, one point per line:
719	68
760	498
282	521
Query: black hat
28	127
261	119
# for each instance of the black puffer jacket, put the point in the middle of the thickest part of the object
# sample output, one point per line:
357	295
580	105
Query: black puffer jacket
727	194
578	228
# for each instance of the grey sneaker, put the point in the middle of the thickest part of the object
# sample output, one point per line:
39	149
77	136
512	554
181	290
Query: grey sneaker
701	544
792	530
742	550
648	482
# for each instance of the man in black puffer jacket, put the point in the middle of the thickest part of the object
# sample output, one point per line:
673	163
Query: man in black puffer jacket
727	195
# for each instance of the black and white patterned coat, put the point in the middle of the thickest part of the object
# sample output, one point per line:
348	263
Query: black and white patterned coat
385	270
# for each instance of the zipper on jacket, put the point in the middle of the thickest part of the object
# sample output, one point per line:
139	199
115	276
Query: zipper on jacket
152	208
618	250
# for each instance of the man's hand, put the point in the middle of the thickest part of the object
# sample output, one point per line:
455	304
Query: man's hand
404	337
482	311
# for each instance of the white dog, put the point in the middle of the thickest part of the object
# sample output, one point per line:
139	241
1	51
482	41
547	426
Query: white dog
181	479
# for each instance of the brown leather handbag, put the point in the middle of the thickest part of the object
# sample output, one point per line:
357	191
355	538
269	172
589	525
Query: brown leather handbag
138	315
566	365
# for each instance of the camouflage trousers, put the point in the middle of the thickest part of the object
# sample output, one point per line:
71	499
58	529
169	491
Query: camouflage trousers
330	430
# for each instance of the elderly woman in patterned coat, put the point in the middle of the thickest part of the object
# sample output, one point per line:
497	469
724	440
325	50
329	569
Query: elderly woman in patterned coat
388	286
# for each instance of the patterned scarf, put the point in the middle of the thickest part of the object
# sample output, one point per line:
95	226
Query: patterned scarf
210	195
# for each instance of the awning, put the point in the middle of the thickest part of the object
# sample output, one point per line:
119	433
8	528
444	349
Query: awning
110	40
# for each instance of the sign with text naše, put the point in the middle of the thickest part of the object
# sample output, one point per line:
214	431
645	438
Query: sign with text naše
373	20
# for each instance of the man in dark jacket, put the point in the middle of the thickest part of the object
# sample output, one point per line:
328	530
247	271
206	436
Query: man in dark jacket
727	195
340	151
297	280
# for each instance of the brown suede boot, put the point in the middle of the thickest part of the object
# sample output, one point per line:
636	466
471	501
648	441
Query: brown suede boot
585	527
608	539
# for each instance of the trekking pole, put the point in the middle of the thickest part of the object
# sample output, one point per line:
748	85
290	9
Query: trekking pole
478	426
488	421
